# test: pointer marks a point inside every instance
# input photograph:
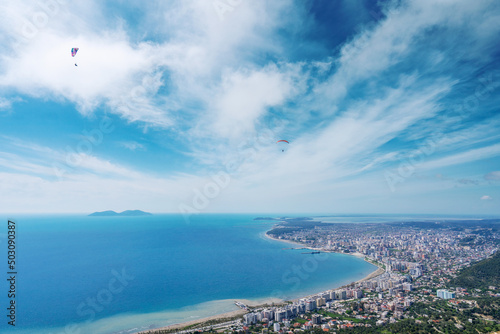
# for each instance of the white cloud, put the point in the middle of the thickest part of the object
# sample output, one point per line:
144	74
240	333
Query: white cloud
50	164
10	161
396	39
486	198
245	96
349	144
132	145
108	67
463	157
93	164
48	183
112	68
7	103
493	176
88	193
4	104
217	82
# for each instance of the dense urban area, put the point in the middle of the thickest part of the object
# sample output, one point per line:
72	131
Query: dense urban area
434	277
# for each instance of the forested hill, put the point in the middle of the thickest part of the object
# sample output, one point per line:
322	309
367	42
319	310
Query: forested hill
480	275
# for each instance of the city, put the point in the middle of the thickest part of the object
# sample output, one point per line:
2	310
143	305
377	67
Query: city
418	262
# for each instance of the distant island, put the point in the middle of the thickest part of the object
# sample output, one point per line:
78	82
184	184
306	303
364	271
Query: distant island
127	213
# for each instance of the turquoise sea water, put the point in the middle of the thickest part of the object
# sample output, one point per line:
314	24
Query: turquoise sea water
80	274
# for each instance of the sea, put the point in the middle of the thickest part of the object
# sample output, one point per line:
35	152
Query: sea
103	275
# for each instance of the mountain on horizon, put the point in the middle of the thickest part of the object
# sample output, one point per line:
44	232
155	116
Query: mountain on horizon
127	213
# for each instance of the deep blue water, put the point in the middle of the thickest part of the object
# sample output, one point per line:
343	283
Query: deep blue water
74	269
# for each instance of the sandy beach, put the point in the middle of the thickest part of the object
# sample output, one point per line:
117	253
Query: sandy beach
374	274
232	314
197	321
287	241
261	302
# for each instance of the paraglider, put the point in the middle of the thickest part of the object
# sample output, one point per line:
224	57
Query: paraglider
73	53
282	144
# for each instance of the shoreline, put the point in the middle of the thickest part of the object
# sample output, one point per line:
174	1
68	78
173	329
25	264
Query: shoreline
226	315
379	271
197	321
356	254
266	301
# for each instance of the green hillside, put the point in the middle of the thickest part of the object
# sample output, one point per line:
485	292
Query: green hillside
480	275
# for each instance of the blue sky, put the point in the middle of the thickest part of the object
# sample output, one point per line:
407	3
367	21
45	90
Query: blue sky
176	106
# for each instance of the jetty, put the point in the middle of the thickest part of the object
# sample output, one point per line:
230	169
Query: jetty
241	305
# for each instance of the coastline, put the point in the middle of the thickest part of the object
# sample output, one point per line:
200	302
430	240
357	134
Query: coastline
266	301
356	254
197	321
379	271
221	316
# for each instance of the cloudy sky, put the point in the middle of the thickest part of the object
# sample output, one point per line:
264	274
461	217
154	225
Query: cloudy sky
177	106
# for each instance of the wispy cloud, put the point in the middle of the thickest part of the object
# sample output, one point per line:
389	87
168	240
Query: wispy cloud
89	182
5	104
132	145
493	176
204	90
464	157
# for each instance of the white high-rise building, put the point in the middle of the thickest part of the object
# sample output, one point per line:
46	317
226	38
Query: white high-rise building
316	319
445	294
250	318
269	314
280	315
301	308
310	305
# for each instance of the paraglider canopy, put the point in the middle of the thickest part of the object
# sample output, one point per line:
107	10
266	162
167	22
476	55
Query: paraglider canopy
282	144
73	53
